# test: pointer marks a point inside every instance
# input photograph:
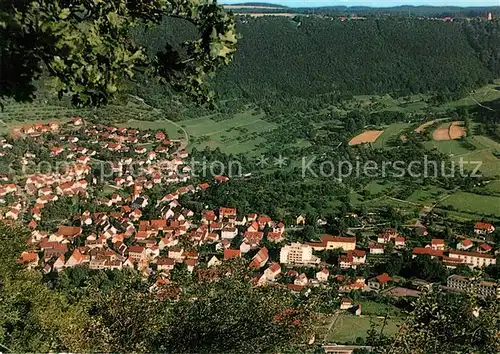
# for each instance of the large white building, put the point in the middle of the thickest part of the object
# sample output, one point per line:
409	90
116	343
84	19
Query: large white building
484	288
298	253
473	259
329	242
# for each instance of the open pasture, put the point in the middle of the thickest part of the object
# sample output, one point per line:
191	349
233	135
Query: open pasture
16	115
448	147
493	187
348	327
474	203
390	132
239	134
486	159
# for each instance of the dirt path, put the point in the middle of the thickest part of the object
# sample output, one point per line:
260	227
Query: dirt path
185	141
332	323
406	201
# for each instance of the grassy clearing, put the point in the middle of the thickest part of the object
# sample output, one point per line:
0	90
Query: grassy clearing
493	187
349	327
426	195
240	134
474	203
413	103
484	94
377	187
490	164
369	307
464	217
449	147
406	207
392	131
482	142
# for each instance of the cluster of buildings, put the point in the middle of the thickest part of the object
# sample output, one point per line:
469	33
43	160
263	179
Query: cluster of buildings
466	252
133	225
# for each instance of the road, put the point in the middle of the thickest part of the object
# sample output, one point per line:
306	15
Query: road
185	141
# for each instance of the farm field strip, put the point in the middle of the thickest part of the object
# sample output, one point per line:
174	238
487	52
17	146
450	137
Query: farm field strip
369	136
449	131
390	132
474	203
421	128
348	327
490	164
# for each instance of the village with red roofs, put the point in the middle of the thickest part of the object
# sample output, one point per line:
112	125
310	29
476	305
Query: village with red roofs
122	191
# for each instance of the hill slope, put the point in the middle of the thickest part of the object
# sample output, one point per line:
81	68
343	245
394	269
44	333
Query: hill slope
311	56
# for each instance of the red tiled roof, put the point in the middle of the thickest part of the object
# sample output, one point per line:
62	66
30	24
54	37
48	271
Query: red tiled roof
330	238
486	247
28	257
359	253
227	211
428	251
467	242
229	253
135	249
383	278
481	225
275	267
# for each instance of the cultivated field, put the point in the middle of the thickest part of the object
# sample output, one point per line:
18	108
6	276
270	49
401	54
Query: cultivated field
464	217
449	131
485	152
490	164
15	115
421	128
449	147
493	187
369	136
391	132
427	195
348	327
474	203
239	134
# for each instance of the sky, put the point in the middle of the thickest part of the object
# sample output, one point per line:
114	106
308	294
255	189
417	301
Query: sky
371	3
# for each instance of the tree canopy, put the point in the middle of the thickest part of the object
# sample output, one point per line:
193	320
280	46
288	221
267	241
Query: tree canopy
87	47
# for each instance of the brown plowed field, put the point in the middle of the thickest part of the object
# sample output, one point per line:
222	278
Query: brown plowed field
367	137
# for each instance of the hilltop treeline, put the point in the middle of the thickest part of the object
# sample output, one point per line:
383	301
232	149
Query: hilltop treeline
405	10
310	59
311	56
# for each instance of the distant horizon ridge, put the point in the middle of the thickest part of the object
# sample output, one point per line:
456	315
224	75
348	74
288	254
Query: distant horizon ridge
384	4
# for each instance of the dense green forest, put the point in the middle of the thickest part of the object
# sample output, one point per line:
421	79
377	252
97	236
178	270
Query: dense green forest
307	59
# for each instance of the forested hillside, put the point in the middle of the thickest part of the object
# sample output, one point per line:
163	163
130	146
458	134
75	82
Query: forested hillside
315	58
